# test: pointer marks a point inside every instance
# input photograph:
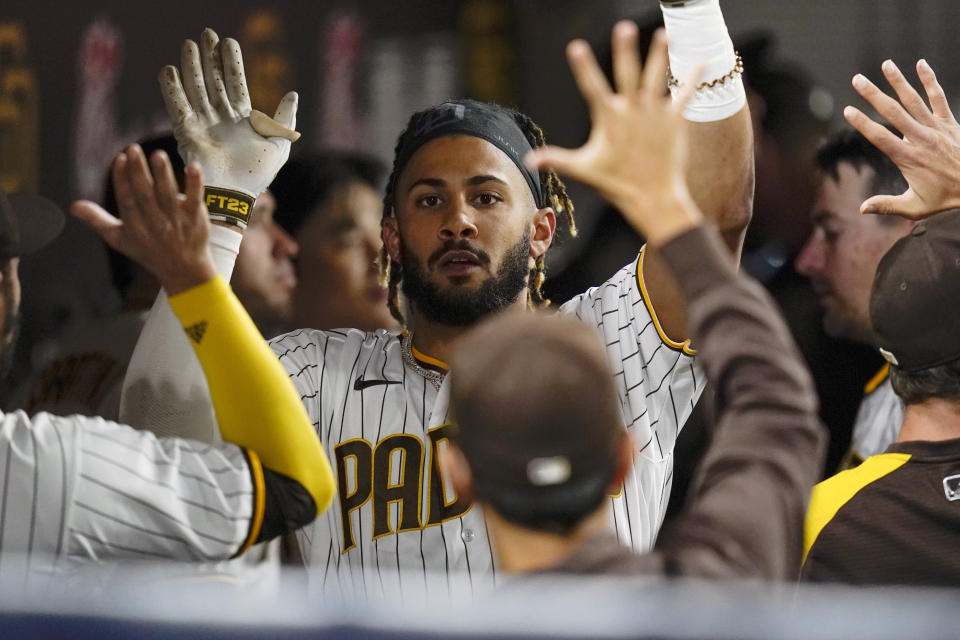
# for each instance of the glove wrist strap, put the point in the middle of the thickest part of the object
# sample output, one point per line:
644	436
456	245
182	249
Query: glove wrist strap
229	206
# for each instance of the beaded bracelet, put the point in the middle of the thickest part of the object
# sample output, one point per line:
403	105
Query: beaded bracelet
733	73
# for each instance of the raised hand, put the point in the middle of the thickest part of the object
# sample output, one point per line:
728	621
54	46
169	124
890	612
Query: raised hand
163	230
238	148
928	154
635	155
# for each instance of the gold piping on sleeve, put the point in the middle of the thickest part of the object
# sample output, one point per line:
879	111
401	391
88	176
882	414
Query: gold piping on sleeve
877	379
259	500
673	344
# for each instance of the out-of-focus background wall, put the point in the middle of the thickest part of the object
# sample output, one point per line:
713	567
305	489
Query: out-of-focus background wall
78	82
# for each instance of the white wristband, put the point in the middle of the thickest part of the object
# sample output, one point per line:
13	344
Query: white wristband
224	247
697	34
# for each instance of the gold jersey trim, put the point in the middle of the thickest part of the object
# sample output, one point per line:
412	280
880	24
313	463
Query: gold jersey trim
673	344
829	496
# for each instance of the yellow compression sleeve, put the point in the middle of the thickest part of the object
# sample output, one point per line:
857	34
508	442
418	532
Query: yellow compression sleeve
256	405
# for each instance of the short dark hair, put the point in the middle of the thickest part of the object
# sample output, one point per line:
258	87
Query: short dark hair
849	146
122	269
308	181
942	381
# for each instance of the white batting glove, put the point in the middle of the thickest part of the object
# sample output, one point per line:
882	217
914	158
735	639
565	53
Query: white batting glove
239	149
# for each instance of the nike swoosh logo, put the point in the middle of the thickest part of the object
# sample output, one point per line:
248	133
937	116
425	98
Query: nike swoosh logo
362	384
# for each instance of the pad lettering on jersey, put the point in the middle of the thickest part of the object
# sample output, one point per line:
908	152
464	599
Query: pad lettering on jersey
392	472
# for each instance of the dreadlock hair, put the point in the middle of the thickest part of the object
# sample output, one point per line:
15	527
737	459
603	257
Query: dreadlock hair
556	196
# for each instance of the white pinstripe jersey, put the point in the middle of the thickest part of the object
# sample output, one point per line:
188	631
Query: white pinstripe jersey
879	417
395	517
74	489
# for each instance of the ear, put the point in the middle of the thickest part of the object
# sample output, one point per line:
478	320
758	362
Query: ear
454	466
542	228
624	459
390	233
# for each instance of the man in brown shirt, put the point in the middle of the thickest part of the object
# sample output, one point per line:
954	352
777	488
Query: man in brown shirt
895	518
540	442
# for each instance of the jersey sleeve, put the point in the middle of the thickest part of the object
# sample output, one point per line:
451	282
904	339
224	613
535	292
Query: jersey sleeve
93	489
657	379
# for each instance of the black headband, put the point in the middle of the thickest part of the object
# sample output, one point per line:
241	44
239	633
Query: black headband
477	119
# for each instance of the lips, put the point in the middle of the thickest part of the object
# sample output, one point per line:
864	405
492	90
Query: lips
458	263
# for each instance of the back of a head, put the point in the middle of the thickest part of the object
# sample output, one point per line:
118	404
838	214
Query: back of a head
308	181
538	419
914	312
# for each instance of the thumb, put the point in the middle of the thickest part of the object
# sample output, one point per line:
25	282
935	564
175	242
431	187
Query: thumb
286	113
906	204
564	161
103	222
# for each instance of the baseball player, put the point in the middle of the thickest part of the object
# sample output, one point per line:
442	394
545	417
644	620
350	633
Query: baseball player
466	227
78	488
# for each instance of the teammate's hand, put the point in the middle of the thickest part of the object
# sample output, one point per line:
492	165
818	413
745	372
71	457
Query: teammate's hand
635	155
237	147
928	155
163	230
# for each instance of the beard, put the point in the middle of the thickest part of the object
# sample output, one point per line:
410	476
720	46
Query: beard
462	306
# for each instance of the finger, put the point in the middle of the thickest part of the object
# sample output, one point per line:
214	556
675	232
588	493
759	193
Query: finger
234	77
688	88
165	184
213	74
886	106
174	98
193	83
565	161
904	204
141	182
286	113
127	205
881	137
593	86
106	225
626	58
655	71
193	196
909	97
938	100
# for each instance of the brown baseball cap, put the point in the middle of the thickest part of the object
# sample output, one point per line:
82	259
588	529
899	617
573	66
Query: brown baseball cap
914	306
27	222
537	417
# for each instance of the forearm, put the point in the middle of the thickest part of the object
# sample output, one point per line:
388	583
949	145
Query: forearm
745	516
720	142
254	401
164	389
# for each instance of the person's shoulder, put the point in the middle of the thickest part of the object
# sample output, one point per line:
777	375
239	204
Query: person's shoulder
830	496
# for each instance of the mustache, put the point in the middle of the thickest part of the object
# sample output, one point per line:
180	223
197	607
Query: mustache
458	245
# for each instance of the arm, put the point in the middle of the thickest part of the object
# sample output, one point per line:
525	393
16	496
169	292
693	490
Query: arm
239	150
167	233
720	168
744	517
768	446
929	153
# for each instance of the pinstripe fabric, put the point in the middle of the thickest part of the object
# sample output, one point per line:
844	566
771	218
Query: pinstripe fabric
351	553
92	489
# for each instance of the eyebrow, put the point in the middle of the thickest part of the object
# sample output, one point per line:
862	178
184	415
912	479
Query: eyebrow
471	182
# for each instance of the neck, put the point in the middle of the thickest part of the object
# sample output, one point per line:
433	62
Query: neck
437	340
522	550
931	420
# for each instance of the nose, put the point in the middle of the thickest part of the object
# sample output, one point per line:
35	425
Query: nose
810	260
458	224
284	246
